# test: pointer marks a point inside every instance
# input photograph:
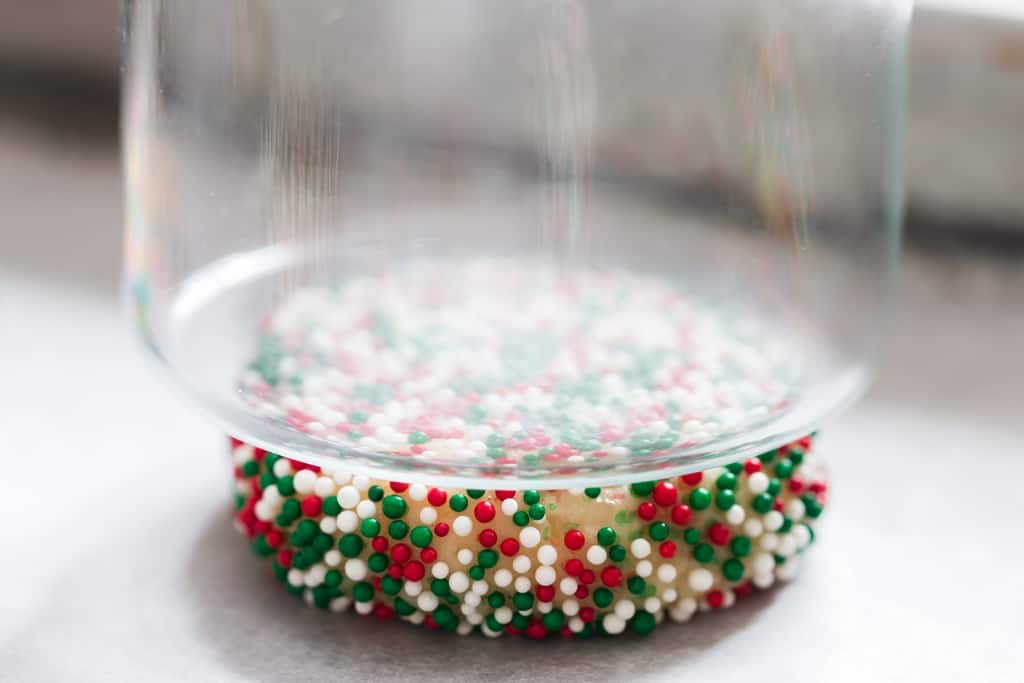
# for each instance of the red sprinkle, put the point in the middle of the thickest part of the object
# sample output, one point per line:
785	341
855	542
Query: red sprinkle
484	511
693	478
752	465
586	614
681	514
611	576
414	571
379	543
400	553
715	599
311	506
428	555
504	495
574	539
646	510
536	630
667	549
588	577
437	497
441	529
665	494
509	547
574	567
545	593
284	558
487	538
398	486
719	533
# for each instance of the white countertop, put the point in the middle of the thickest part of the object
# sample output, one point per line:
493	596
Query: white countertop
119	561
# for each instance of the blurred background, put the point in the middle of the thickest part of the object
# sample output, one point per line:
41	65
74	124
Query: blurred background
948	399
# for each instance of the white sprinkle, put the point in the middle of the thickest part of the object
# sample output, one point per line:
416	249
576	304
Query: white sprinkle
523	584
348	497
625	609
521	564
304	481
462	526
547	554
763	563
796	509
773	520
502	578
360	482
545	576
480	587
458	582
770	542
666	573
366	508
503	615
428	515
439	570
509	506
644	568
613	624
753	527
332	558
735	515
640	548
427	601
324	487
701	580
348	521
570	607
652	605
596	555
417	492
758	483
413	588
465	556
529	536
355	569
329	525
568	585
282	468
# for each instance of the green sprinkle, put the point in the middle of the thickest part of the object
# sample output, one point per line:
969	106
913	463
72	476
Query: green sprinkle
700	498
520	518
531	497
378	562
703	553
691	535
475	493
643	623
369	527
763	502
658	531
398	529
725	499
331	506
592	492
351	545
458	502
617	553
421	536
603	597
375	493
537	511
418	438
286	485
642	489
362	592
487	558
732	569
740	546
523	601
394	506
636	585
476	572
606	536
727	480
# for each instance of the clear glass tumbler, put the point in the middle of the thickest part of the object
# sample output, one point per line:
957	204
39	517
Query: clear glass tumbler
544	243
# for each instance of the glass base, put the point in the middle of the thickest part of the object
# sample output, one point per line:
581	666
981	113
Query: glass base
573	562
